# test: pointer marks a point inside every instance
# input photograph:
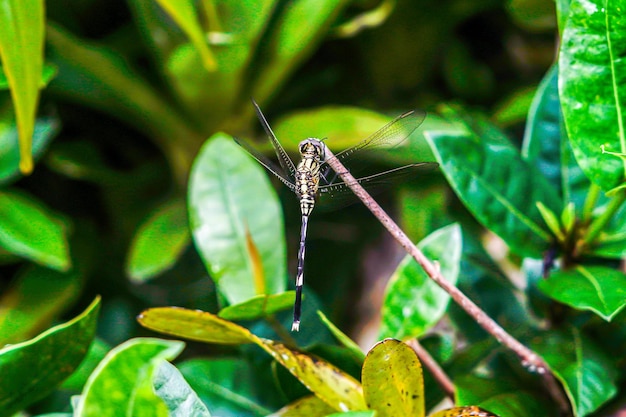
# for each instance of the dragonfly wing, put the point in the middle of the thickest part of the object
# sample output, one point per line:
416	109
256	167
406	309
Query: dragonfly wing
269	165
392	134
283	158
337	195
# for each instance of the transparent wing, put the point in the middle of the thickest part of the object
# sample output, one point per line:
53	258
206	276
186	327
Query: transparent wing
283	158
269	165
337	195
393	133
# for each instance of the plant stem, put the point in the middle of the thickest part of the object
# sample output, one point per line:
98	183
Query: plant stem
431	364
282	333
529	359
597	225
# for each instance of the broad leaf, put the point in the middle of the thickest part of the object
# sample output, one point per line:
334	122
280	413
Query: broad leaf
33	369
36	298
546	144
159	242
587	374
180	399
310	406
28	229
229	196
122	384
21	52
226	386
259	307
592	79
596	288
469	411
393	384
413	302
488	174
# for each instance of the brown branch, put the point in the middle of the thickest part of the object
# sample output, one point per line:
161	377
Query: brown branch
431	364
529	359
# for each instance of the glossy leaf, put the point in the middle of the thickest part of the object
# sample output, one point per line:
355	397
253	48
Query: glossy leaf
228	195
343	338
226	386
159	242
180	399
33	369
413	302
592	79
292	39
487	173
587	374
184	14
469	411
36	298
259	307
333	386
393	383
310	406
21	52
122	384
546	144
194	325
596	288
29	230
46	128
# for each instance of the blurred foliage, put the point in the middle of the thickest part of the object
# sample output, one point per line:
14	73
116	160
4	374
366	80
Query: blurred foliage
140	195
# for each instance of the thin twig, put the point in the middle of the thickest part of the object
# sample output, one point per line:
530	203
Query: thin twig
431	364
529	358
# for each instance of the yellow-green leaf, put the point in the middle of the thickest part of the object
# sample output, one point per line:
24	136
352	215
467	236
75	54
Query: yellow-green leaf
393	383
310	406
21	53
471	411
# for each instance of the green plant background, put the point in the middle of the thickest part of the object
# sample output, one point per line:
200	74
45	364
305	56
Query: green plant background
124	111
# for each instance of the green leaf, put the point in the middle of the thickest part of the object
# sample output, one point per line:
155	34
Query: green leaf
21	52
354	414
180	399
546	144
184	14
551	221
393	384
194	325
259	307
229	194
122	383
36	298
496	185
592	79
332	385
343	338
78	379
587	374
413	302
46	128
596	288
464	412
28	229
159	242
225	385
291	39
515	107
33	369
309	406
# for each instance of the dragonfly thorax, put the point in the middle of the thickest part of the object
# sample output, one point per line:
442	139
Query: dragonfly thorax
312	148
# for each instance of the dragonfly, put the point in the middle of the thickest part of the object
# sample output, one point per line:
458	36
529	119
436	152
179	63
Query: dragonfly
312	179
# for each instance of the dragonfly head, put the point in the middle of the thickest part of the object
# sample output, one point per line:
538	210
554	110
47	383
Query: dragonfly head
312	147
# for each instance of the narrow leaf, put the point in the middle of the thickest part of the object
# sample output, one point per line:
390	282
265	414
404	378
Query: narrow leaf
229	194
28	229
159	242
393	383
21	52
596	288
551	221
413	302
342	338
33	369
592	80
